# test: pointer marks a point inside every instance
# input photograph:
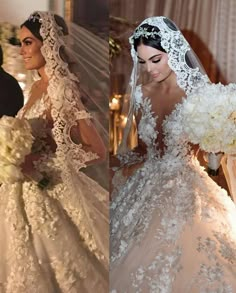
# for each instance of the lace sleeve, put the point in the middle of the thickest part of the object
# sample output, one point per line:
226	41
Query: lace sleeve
78	141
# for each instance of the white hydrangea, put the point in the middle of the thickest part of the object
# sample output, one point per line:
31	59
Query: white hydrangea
209	118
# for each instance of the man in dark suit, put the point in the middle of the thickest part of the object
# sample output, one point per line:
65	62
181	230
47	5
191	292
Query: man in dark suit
11	95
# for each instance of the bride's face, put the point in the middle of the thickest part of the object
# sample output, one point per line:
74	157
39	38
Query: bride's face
154	61
30	50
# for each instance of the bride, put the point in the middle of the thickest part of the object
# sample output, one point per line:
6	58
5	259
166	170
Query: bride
54	224
172	227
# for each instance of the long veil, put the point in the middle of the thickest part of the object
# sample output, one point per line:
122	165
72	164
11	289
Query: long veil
90	54
87	56
72	103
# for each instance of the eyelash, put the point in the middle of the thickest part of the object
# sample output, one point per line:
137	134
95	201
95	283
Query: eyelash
27	43
153	61
156	61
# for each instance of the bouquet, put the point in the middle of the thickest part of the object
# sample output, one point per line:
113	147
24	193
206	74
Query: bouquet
209	118
15	143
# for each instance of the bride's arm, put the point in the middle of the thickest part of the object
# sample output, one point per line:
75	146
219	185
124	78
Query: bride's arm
131	160
86	134
229	169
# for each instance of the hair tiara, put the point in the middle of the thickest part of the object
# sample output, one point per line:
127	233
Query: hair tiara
143	32
35	17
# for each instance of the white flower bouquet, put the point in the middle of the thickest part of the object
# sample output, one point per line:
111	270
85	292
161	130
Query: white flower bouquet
209	118
15	143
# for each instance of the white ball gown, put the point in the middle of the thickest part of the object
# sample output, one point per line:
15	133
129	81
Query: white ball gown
173	229
53	239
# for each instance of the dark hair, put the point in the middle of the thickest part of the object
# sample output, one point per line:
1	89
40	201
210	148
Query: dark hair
34	25
151	41
1	56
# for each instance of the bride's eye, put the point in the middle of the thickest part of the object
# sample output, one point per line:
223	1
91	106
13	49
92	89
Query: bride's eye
141	61
156	61
27	43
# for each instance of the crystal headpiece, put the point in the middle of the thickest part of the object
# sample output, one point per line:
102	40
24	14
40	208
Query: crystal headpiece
177	48
35	17
143	32
156	22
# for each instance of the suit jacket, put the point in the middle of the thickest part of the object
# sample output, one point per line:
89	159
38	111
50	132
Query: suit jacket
11	95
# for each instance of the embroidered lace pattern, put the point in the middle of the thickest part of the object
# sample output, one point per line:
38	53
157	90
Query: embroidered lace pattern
46	221
147	132
172	228
55	239
67	109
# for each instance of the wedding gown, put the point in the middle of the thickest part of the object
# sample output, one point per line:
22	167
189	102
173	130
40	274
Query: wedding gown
53	239
173	229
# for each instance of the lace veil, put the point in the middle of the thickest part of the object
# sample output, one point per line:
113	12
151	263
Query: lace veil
77	68
181	59
65	71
